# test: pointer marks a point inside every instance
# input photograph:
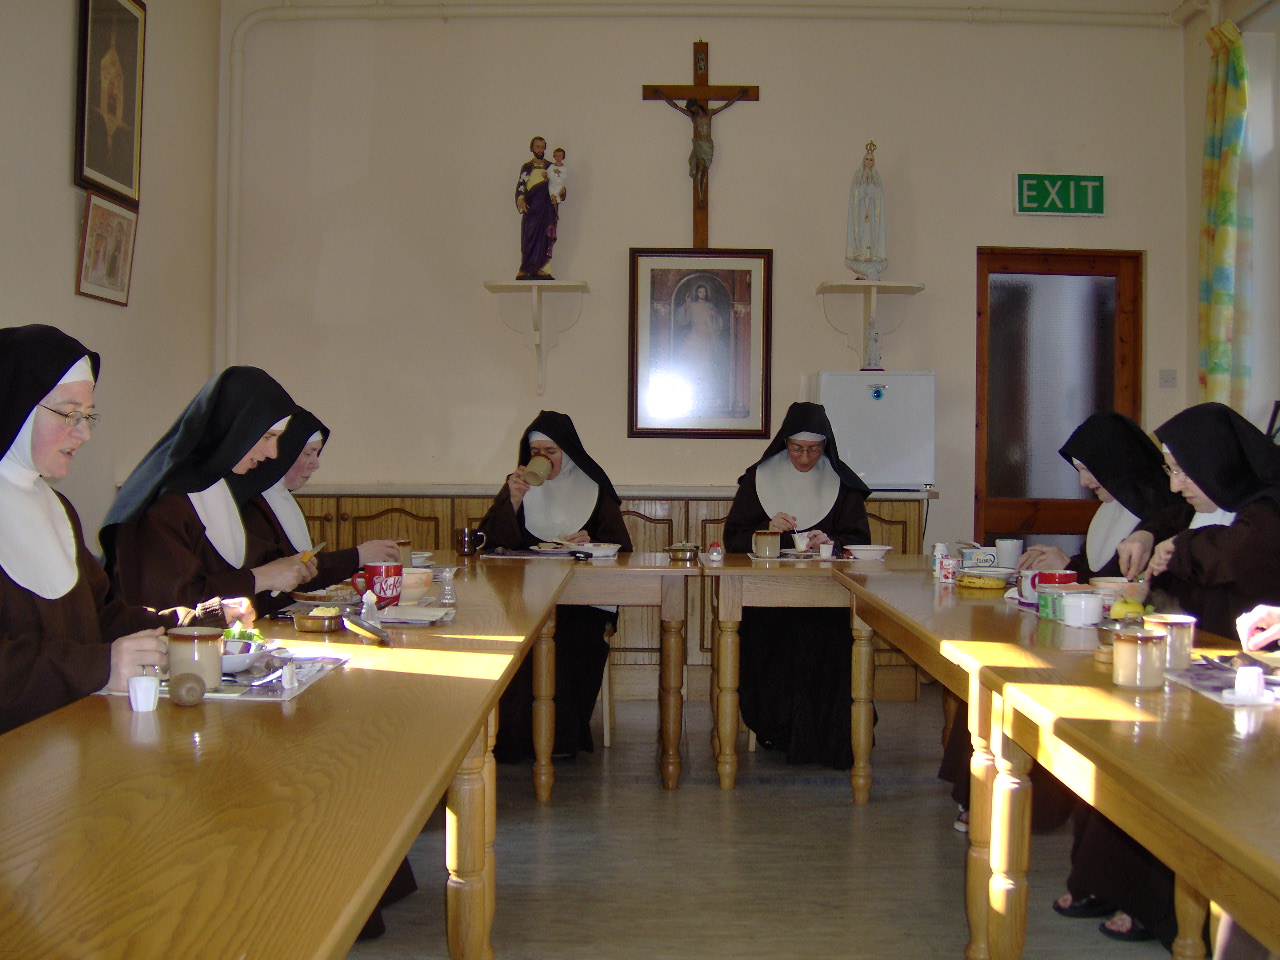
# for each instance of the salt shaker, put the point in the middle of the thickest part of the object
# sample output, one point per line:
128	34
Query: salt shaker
448	596
715	552
369	608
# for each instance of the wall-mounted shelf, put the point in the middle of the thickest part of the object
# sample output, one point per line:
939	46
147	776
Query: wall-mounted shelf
869	289
543	339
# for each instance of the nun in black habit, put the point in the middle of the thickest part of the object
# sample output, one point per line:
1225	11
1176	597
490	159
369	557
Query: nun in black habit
174	533
795	663
576	503
60	637
271	515
1117	460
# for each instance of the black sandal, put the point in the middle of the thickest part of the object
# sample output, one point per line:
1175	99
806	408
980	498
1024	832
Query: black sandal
1135	934
1086	908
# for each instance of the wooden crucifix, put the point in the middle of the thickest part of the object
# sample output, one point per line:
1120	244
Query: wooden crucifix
698	97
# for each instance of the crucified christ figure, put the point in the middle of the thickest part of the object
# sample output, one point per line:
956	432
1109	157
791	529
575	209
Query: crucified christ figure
703	149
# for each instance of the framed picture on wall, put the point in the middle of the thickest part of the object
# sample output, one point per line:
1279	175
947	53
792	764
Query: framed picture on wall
106	250
700	324
109	97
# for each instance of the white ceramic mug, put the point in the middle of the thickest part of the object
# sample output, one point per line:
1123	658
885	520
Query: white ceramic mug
825	550
1008	551
1027	586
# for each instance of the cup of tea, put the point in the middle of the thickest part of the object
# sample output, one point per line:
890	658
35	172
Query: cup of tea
766	543
384	579
537	470
1027	586
1008	550
196	650
467	540
406	552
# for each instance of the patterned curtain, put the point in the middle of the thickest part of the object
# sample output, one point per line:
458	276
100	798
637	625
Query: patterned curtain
1225	230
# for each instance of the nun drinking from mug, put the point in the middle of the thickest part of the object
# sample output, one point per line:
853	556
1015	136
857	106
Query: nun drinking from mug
60	637
795	663
174	533
576	503
271	515
1118	462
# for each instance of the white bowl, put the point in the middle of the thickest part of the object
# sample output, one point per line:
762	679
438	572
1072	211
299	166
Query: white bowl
599	549
239	654
867	551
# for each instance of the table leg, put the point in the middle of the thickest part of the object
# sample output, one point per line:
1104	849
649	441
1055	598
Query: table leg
490	830
1191	908
862	716
466	899
671	700
544	709
982	775
727	643
715	688
1010	841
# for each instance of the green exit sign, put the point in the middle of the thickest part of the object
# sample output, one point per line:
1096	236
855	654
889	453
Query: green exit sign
1062	194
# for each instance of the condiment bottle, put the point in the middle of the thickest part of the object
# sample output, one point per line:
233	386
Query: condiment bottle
715	551
448	596
369	608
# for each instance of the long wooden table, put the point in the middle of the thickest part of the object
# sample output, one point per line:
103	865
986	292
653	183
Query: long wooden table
235	829
744	582
1178	772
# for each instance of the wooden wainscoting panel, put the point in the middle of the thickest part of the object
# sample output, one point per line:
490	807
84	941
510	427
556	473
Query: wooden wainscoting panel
321	514
424	520
899	523
467	512
653	525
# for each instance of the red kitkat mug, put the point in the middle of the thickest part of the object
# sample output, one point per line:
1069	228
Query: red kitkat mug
383	579
1051	578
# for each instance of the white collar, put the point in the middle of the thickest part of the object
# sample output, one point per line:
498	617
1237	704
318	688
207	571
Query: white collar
37	542
1219	518
1110	524
217	510
808	497
287	511
562	505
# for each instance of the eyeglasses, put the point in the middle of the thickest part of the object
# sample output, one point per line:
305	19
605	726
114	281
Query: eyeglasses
1173	471
75	417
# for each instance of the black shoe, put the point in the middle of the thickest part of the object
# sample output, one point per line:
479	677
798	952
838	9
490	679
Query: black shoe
1086	908
1135	934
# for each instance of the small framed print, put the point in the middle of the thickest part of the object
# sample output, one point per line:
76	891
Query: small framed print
106	250
699	343
109	97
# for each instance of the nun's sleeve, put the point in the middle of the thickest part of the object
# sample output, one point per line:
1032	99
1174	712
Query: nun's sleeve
1244	557
503	526
166	559
850	519
606	524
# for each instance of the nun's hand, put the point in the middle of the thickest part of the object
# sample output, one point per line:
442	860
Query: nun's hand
284	574
1041	557
1134	553
132	655
1160	558
238	610
379	551
817	537
580	537
782	522
1259	628
518	486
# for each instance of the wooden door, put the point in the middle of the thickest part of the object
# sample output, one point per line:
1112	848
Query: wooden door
1059	338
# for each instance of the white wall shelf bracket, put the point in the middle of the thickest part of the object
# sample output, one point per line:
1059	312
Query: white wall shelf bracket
542	336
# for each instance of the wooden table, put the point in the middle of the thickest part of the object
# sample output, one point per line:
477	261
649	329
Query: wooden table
265	829
743	582
1171	768
629	580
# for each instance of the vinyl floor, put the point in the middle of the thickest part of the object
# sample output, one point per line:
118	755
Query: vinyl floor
785	866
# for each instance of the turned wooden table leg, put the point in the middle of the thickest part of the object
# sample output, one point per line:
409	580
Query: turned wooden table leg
982	775
727	704
1191	908
490	830
544	709
862	716
715	688
1010	840
466	899
671	700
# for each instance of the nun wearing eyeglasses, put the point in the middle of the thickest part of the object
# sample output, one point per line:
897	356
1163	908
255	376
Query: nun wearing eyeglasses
576	503
272	515
794	688
60	637
174	532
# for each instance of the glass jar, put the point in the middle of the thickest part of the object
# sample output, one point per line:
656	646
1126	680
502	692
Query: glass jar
1181	631
1049	602
1138	658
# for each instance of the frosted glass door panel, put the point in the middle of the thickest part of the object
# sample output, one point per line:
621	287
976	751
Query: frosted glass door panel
1052	364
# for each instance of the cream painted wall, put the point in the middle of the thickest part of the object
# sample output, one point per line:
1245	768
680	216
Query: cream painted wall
156	351
376	177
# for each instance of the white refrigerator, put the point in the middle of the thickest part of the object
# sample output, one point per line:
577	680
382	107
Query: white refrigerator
883	423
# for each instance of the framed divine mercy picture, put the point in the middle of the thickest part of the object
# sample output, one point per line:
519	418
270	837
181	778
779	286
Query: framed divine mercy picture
700	326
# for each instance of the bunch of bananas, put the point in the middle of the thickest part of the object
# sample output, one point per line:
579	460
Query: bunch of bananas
981	580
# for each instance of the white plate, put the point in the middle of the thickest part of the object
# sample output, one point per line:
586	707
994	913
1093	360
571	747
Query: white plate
1005	572
797	552
398	614
553	551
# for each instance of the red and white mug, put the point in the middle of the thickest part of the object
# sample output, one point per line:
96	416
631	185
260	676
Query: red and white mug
384	579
